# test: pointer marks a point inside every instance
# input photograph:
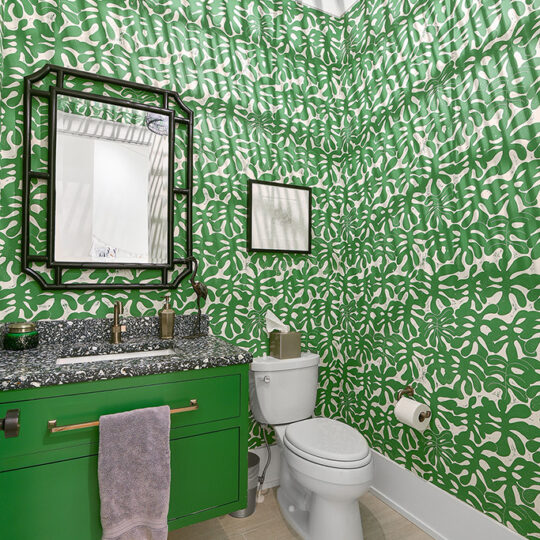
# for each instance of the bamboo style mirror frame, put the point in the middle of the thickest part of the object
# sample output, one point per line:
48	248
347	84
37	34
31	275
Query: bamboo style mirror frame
107	182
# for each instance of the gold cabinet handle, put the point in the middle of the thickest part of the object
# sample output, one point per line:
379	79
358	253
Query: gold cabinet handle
53	428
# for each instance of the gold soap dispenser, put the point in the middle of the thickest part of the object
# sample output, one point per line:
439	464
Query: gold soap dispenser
166	320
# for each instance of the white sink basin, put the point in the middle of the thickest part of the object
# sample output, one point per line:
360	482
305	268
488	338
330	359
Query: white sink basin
114	356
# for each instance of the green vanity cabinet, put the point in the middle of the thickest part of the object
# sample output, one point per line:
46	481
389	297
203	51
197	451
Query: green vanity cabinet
48	481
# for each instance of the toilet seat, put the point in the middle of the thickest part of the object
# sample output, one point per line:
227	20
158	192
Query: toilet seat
327	442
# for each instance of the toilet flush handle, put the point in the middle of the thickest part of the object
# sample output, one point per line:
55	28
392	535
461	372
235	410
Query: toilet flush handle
266	379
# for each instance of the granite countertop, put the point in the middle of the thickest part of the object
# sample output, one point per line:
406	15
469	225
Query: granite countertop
37	367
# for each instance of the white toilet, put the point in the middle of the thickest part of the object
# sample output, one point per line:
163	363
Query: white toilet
325	464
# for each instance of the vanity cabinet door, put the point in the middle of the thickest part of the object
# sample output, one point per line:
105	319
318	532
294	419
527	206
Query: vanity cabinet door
56	501
205	474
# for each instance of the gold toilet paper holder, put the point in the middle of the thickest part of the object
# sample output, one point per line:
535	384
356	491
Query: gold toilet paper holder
409	391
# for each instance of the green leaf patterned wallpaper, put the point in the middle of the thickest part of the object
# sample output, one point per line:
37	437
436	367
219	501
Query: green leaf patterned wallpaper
442	230
263	81
412	123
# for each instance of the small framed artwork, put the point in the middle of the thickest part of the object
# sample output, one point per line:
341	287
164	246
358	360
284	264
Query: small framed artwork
279	217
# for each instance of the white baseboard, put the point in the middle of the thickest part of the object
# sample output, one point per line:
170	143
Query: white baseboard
272	474
439	514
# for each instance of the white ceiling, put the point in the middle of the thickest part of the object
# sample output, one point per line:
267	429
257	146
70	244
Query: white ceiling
337	8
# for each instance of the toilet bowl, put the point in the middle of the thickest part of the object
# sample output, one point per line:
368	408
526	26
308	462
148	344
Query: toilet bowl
326	465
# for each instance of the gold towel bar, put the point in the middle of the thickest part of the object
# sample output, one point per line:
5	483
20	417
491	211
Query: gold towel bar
53	428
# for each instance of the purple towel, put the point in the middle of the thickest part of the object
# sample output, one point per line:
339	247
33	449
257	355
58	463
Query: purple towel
134	472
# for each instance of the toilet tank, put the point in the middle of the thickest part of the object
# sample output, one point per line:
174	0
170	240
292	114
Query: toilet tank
283	391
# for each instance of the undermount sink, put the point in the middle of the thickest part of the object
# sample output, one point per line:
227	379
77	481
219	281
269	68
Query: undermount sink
113	356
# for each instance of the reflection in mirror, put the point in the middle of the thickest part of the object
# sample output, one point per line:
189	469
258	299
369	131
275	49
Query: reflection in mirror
111	183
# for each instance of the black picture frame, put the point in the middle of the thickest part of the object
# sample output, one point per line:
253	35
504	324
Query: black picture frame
251	209
170	104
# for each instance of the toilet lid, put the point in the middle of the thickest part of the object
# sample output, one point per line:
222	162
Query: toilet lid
327	439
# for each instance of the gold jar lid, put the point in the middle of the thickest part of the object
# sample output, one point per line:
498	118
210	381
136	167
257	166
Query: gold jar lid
21	327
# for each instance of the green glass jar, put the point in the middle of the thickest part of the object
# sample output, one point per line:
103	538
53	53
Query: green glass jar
21	336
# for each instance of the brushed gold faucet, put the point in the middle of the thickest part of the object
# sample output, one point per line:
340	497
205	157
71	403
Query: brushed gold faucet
117	328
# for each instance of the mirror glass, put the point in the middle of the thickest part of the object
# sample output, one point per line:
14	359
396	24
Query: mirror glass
111	183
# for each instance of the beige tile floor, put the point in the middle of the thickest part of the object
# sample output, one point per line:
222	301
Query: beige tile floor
380	522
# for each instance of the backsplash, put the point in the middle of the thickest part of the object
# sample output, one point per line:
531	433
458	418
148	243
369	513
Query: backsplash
442	244
88	331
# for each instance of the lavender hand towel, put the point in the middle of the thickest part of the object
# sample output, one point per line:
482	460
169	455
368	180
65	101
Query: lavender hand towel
134	473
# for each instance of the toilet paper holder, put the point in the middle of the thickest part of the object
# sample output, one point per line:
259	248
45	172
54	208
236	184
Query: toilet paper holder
409	391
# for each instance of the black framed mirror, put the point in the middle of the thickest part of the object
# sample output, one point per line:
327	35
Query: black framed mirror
107	187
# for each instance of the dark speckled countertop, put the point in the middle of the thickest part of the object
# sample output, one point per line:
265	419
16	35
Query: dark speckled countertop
60	339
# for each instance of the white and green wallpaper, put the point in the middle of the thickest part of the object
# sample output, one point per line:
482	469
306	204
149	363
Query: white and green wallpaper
413	123
263	82
441	222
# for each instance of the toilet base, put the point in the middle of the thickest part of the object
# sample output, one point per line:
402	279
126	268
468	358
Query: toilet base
327	519
296	518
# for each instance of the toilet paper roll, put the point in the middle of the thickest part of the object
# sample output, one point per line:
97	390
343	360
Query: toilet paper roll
408	411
